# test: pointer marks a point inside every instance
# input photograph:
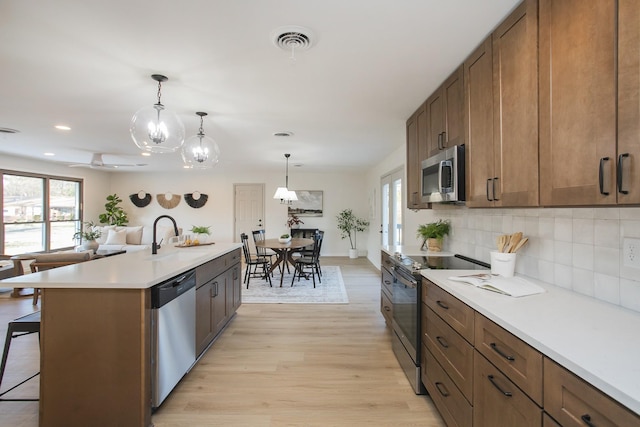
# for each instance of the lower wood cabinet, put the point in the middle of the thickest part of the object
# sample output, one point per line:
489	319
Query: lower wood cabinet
498	401
573	402
495	379
218	296
386	289
453	406
451	351
517	359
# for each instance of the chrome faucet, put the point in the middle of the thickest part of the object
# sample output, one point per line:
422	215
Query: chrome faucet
155	246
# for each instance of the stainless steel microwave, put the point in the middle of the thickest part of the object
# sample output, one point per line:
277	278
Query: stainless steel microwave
443	176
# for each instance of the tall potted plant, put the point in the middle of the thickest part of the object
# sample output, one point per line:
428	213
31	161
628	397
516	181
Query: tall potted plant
349	226
433	233
114	214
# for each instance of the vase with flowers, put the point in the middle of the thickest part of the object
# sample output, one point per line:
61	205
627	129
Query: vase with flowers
293	221
88	236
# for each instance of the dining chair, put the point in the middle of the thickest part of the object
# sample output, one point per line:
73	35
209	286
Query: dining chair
265	253
253	262
306	265
42	262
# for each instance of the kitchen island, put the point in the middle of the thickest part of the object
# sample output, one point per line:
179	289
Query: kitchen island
96	331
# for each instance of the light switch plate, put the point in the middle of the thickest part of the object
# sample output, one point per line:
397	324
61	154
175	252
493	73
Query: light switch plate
631	252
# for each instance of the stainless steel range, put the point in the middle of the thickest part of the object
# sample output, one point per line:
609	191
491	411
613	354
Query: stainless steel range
407	307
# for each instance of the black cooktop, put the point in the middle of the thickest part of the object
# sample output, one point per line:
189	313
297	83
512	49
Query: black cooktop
455	262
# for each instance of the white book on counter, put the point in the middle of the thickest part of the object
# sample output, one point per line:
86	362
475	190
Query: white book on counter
511	286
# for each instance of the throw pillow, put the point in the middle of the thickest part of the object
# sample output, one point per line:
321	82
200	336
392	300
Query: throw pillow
134	235
117	237
105	231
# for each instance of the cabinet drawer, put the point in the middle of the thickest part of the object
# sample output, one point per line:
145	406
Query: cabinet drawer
499	402
386	308
515	358
454	354
386	281
547	421
453	407
456	313
209	270
572	401
215	267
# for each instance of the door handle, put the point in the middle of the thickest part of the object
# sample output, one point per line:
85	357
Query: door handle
619	173
601	176
494	189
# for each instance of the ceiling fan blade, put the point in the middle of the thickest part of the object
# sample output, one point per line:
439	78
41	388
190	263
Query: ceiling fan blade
98	163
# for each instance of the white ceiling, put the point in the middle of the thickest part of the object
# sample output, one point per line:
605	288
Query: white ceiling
87	64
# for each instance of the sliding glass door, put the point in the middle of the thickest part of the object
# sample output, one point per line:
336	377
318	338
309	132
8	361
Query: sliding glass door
391	207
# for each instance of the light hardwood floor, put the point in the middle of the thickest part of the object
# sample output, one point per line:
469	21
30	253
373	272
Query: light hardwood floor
275	365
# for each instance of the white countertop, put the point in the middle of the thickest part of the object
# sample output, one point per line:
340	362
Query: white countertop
597	341
133	270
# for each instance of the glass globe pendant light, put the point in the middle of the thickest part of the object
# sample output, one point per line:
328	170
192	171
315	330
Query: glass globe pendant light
155	128
200	151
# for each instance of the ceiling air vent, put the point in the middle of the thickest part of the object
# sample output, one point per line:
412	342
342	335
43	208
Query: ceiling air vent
8	130
283	134
292	37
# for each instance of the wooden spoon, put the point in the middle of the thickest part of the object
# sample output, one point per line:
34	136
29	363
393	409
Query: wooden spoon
520	244
502	242
514	240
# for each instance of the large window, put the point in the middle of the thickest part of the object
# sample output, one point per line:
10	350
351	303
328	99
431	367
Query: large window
39	212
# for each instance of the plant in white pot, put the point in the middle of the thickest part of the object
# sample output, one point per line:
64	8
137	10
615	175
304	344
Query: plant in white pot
200	234
349	226
88	236
433	233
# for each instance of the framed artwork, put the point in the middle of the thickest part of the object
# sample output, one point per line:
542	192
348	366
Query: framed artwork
309	203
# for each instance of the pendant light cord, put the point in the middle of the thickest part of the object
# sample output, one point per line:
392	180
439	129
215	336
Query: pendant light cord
159	92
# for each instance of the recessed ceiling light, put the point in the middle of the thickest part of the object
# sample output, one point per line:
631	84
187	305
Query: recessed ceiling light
284	133
146	154
62	127
49	154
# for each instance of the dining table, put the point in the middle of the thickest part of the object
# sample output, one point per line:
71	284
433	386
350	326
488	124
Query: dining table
284	250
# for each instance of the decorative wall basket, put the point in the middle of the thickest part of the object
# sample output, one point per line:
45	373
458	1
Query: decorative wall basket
140	199
168	200
196	199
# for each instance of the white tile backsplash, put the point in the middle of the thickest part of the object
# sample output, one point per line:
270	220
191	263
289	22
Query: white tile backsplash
575	248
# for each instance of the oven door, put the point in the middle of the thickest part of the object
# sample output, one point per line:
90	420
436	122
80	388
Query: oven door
406	324
406	318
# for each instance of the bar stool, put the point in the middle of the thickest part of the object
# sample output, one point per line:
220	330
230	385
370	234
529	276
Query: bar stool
19	327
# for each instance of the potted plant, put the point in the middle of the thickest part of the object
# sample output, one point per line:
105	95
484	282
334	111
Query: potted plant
349	226
285	238
201	234
114	214
293	221
88	236
433	233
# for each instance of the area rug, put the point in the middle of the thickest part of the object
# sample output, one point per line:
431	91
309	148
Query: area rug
330	291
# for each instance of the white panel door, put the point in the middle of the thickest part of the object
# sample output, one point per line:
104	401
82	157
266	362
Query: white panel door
249	209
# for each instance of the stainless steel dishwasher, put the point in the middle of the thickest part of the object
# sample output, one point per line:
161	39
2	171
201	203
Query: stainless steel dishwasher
173	334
